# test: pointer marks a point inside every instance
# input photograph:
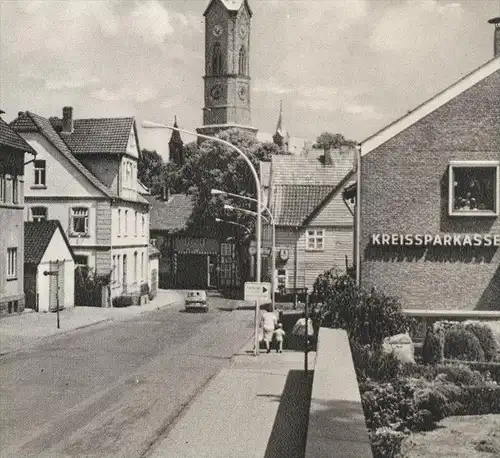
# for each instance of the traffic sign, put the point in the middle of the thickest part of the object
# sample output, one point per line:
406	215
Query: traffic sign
255	290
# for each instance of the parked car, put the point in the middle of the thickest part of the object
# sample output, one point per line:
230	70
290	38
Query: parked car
196	300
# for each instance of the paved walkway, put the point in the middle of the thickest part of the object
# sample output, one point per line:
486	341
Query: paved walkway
257	407
19	331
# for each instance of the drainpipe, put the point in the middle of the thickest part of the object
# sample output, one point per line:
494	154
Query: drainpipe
358	214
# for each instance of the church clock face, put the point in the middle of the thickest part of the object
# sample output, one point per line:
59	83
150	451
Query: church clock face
216	92
217	30
242	92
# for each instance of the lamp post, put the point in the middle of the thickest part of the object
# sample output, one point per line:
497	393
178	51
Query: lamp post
155	125
219	220
218	192
273	241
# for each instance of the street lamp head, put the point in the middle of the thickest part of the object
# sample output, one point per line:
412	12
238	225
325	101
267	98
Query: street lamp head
154	125
228	207
217	192
218	220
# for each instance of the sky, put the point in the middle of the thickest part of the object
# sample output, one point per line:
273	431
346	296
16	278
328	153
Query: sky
348	66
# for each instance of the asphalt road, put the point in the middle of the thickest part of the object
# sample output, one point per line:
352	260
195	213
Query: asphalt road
114	389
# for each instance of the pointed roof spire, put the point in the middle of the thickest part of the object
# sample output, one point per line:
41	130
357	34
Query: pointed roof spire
176	136
279	125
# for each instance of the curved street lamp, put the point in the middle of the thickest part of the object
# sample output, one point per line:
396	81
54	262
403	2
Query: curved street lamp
155	125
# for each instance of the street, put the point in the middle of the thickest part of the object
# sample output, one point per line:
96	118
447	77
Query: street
114	389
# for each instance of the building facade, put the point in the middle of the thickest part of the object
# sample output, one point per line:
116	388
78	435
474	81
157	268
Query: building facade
429	200
12	163
85	176
313	225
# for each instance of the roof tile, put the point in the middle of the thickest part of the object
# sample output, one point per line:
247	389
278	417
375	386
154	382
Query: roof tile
172	215
10	138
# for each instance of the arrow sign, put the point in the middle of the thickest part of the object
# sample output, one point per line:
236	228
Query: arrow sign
255	290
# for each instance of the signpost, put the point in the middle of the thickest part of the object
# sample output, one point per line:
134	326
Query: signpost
260	292
255	290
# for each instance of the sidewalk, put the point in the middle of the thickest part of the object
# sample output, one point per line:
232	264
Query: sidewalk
23	330
256	408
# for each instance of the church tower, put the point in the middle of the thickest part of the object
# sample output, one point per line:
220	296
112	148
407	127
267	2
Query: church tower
176	147
227	66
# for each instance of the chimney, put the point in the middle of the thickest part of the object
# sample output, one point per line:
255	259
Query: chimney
67	120
496	39
20	113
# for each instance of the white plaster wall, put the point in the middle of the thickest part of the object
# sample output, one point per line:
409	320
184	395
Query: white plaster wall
62	178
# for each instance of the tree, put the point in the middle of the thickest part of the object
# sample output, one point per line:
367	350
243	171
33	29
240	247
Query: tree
150	168
327	141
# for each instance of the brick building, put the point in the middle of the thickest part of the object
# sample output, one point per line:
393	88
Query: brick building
429	199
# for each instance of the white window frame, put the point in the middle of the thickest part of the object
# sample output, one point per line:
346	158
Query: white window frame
39	172
278	275
142	266
318	234
38	218
125	232
85	222
451	188
119	222
143	230
136	266
11	263
85	264
136	224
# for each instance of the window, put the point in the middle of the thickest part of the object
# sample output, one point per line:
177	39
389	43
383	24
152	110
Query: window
143	230
153	242
142	266
113	272
473	188
118	264
3	196
15	190
217	60
11	263
315	239
79	221
281	279
38	214
8	189
136	232
242	63
119	222
40	173
81	260
126	223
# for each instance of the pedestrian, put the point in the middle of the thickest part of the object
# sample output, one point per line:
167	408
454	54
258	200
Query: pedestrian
269	322
299	328
279	334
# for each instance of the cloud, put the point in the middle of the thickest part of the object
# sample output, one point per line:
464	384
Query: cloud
271	86
406	26
139	95
364	111
150	21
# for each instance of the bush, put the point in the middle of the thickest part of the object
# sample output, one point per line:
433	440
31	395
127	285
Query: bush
368	317
460	374
432	351
386	443
486	338
462	344
374	363
480	400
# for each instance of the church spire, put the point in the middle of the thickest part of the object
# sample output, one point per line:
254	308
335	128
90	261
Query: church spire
278	136
176	146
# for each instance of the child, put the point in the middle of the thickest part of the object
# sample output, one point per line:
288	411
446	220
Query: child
278	335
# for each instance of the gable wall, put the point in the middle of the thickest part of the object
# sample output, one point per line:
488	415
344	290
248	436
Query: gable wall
404	190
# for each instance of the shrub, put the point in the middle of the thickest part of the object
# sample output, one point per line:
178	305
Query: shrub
432	351
462	344
386	442
486	338
480	400
374	363
460	374
368	317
